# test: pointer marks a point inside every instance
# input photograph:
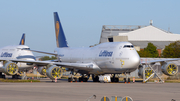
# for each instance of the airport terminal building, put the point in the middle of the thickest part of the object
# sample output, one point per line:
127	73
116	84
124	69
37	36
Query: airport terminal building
139	36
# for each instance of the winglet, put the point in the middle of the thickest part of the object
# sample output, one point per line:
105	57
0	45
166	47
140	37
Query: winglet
60	37
22	41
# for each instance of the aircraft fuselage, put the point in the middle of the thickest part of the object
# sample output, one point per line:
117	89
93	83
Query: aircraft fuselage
16	52
116	57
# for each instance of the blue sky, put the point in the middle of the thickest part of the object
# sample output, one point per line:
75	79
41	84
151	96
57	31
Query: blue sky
82	20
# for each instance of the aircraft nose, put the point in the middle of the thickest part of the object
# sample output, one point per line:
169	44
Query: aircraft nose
135	61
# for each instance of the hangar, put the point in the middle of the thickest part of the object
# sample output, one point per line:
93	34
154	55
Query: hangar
139	36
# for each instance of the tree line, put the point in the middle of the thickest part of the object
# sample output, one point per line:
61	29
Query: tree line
48	58
170	51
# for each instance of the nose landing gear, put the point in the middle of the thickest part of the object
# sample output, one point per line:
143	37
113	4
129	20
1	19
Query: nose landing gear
127	79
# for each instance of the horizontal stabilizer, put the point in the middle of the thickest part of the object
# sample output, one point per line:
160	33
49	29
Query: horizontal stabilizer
41	52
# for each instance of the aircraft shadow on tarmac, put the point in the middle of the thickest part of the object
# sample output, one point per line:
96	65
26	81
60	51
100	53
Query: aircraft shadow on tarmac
89	81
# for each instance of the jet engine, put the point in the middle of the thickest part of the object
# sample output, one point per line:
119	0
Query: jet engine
148	72
10	68
42	70
169	68
54	71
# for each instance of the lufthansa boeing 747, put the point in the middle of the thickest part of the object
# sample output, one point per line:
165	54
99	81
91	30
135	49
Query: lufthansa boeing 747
105	58
18	52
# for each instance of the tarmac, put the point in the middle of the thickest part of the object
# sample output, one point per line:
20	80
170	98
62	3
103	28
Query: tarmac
80	91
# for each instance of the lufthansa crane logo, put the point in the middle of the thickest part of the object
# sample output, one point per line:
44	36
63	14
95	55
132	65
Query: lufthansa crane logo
57	32
22	42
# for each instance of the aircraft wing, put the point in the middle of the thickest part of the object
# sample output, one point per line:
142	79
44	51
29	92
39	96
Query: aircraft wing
160	60
27	61
82	66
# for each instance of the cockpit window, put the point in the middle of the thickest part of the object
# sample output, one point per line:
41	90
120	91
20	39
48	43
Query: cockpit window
128	46
26	48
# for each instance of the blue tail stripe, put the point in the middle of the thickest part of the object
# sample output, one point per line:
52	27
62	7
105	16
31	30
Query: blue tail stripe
22	41
60	37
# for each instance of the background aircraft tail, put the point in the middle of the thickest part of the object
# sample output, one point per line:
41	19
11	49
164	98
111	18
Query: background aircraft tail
22	41
60	37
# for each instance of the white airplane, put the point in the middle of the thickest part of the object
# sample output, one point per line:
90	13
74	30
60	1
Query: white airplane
15	52
106	58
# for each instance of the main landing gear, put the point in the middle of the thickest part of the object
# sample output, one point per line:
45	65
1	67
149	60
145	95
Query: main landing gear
95	78
114	78
71	77
83	78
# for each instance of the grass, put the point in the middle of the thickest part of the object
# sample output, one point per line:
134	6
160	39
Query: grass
32	75
165	80
172	81
17	80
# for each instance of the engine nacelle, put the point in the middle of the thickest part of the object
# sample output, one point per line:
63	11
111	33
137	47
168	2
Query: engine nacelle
53	72
169	68
42	70
148	72
10	68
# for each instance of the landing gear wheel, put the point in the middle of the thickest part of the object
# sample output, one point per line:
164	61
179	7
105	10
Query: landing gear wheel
115	79
80	79
96	79
70	79
85	79
124	80
128	80
75	79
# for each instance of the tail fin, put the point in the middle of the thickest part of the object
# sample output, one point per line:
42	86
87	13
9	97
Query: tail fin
60	37
22	41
